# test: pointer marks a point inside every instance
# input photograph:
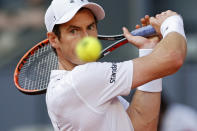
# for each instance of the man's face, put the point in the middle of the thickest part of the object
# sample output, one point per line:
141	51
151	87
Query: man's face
81	25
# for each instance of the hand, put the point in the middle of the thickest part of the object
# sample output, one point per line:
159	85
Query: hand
157	21
141	42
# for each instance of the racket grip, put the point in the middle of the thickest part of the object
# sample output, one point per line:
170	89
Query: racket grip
144	31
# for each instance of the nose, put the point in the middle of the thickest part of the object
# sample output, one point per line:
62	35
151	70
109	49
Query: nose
85	33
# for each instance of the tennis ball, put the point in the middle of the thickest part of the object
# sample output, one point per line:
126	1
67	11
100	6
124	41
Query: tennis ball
88	49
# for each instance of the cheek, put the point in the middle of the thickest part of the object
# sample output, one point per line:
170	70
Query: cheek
73	47
73	43
68	48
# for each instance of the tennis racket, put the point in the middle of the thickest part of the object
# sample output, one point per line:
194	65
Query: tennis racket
32	73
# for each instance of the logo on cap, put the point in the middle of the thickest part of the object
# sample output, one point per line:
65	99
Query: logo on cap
54	18
73	1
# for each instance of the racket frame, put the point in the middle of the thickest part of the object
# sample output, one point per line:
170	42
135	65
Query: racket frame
21	63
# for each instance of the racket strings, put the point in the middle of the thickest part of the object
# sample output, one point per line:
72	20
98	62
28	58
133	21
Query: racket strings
36	71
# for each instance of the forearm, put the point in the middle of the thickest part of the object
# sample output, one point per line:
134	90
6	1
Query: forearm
166	58
146	104
169	54
144	110
173	46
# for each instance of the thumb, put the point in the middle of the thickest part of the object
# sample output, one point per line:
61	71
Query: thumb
137	41
128	35
126	32
154	22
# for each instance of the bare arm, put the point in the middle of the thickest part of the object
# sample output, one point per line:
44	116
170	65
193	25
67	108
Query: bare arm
166	58
144	110
145	106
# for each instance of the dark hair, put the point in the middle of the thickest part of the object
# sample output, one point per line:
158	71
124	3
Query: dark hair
57	32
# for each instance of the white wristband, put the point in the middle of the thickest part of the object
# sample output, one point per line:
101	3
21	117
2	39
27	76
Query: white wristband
173	24
144	52
152	86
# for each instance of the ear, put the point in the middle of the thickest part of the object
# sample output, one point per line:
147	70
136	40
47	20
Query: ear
53	39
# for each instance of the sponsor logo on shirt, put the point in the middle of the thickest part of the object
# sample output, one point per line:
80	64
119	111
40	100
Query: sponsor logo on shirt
114	71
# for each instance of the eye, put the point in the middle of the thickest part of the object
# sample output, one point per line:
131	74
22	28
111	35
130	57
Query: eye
73	31
91	27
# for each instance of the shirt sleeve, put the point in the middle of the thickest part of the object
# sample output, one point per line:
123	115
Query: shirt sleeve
99	82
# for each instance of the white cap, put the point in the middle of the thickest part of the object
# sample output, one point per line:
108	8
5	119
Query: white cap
61	11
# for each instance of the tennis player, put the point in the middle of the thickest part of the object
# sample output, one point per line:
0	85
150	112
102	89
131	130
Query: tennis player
84	96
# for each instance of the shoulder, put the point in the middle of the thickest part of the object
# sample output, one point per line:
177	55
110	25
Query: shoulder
101	66
104	72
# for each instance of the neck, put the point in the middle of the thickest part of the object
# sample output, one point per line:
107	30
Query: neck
65	65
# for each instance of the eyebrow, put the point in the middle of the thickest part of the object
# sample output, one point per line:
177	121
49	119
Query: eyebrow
74	26
93	23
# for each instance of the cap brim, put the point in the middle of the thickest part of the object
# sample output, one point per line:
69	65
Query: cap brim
96	9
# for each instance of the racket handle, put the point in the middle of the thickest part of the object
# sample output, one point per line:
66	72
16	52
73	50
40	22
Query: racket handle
144	31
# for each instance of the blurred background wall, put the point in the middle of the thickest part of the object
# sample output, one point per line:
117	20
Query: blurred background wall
22	26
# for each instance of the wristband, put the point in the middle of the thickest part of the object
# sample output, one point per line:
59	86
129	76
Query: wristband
144	52
173	24
152	86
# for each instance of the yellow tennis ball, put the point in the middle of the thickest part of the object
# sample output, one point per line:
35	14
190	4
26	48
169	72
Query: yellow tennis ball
88	49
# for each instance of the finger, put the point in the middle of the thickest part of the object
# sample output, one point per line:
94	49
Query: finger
143	22
128	35
154	22
144	25
137	26
169	11
147	19
126	32
157	16
163	13
135	40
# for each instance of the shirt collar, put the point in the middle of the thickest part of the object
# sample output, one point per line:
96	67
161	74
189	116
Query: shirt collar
57	73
